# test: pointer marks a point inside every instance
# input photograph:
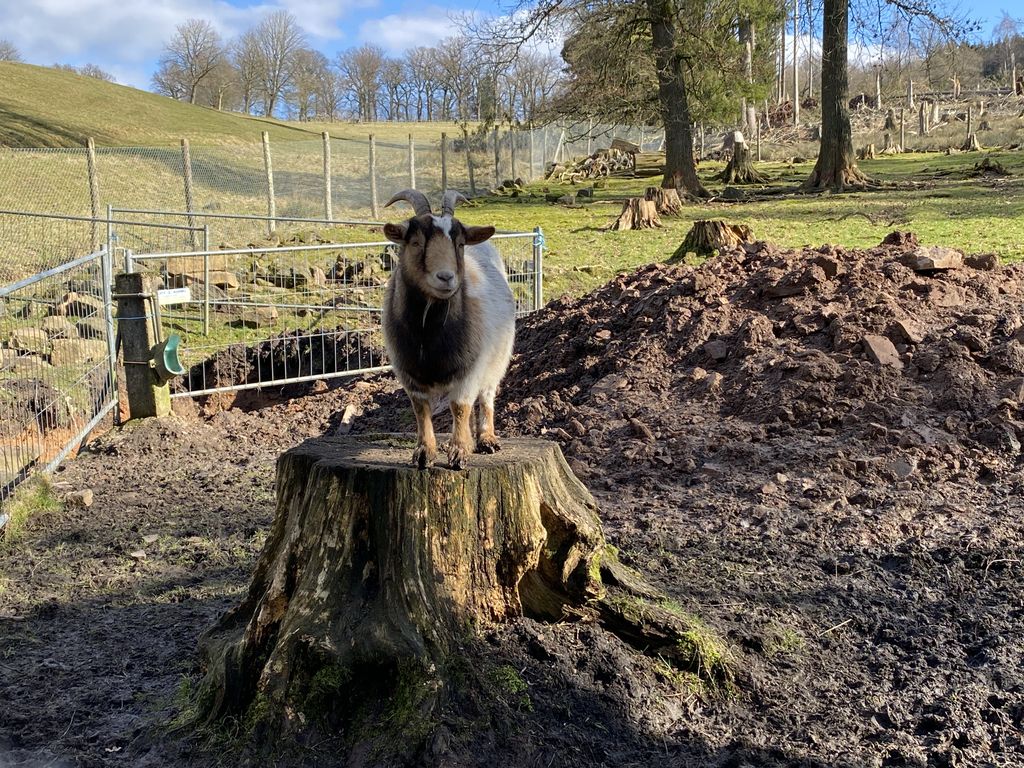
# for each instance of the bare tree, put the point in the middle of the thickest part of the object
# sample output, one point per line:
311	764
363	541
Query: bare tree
310	67
8	51
193	52
278	39
97	72
247	58
169	80
361	71
422	79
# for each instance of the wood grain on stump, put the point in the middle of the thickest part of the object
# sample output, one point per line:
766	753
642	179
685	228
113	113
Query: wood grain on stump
637	213
374	573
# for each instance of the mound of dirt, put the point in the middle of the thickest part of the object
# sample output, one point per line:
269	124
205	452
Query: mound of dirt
852	346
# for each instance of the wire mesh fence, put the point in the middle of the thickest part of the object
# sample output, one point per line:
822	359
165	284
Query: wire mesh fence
296	182
56	364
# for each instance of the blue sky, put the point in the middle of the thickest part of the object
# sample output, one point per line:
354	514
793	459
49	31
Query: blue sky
124	37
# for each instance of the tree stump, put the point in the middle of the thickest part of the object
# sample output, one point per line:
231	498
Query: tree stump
375	573
637	213
890	147
740	169
971	144
666	200
866	152
707	236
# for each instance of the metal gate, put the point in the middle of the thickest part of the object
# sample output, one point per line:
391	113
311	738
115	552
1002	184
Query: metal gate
57	377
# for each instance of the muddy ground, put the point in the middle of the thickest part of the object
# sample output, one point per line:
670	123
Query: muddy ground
817	452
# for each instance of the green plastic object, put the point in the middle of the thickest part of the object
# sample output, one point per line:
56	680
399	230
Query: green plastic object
166	360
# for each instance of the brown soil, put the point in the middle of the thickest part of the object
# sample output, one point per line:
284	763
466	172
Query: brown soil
818	452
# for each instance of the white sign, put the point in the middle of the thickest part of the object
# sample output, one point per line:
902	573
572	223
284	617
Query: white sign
167	296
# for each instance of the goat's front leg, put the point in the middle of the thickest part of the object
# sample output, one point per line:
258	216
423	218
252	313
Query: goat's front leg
486	438
426	443
462	444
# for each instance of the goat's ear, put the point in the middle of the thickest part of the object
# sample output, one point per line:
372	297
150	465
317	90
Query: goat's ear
396	232
476	235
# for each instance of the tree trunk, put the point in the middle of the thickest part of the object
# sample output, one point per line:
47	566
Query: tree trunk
666	201
836	167
707	236
971	143
867	152
740	169
637	213
376	574
680	167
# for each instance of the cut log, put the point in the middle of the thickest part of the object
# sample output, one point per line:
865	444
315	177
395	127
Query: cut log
375	575
637	213
740	169
971	144
708	236
666	201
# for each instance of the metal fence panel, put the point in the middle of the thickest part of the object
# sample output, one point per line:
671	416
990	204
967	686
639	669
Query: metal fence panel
270	316
56	364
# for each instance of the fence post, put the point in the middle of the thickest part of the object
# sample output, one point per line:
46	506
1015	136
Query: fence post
271	202
328	212
412	162
701	141
136	294
469	163
538	267
758	124
444	162
107	276
903	131
497	160
94	190
373	178
206	280
544	152
512	150
186	172
970	120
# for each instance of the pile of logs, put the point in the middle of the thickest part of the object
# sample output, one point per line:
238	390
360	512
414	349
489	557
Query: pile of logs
601	164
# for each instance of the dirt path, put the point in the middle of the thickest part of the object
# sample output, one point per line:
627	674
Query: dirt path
854	528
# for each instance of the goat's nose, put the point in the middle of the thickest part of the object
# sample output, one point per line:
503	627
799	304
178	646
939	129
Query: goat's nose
445	276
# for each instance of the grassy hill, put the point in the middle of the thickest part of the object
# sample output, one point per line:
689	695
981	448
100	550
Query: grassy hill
43	107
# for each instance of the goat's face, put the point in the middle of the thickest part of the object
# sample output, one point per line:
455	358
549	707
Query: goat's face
432	252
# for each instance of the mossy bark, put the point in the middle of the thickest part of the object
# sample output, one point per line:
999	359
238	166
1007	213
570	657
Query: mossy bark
374	574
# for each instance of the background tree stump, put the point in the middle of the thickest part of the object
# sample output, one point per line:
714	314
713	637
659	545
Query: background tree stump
637	213
889	147
375	573
740	169
666	200
971	143
707	236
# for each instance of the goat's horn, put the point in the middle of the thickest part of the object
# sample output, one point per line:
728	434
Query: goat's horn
416	199
451	199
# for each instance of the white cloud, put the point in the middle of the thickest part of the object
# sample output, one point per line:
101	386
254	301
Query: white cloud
399	32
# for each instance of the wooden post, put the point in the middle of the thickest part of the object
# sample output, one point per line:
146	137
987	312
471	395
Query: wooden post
328	207
922	119
1013	73
412	162
512	152
561	145
94	190
878	87
497	160
186	172
469	162
374	212
970	120
135	325
910	94
444	161
701	157
758	122
903	130
271	201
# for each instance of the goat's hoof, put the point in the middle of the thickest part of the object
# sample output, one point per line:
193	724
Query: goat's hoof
458	456
423	456
487	444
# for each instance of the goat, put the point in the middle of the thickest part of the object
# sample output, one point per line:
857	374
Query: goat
449	325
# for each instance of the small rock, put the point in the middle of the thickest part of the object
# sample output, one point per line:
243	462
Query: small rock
717	349
983	261
927	259
138	554
908	330
881	351
82	498
903	467
603	335
149	538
